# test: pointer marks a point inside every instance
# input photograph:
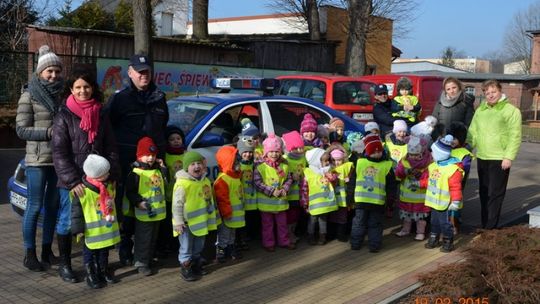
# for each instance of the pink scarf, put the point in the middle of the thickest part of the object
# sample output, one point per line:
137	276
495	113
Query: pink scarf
104	196
88	112
276	166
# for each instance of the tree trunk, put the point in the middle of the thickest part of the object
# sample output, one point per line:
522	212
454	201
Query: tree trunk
313	20
200	19
142	27
355	56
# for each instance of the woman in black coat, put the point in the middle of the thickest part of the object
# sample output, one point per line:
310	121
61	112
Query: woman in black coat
453	105
80	128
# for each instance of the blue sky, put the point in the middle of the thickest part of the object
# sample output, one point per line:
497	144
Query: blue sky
475	27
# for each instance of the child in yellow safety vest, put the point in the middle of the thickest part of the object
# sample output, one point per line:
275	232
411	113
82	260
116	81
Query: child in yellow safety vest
343	169
194	214
94	216
145	191
409	170
396	148
461	151
318	197
405	105
443	194
252	229
229	195
273	181
166	243
372	175
296	161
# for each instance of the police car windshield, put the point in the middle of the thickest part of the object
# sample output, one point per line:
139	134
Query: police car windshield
186	114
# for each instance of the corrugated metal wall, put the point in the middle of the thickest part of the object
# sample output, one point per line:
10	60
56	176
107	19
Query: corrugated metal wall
275	54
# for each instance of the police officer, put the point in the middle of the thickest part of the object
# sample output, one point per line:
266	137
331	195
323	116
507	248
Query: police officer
136	111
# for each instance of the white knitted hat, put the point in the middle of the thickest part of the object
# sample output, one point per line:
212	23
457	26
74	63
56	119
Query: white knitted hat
46	59
96	166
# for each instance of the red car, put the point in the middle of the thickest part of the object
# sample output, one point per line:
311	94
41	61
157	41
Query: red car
426	88
348	95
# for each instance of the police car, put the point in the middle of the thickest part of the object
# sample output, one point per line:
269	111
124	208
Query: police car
213	120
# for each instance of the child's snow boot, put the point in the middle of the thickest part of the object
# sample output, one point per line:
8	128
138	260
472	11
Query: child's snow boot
433	241
448	245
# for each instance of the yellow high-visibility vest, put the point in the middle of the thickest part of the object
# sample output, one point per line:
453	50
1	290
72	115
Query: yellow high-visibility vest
174	164
236	195
98	233
152	190
270	177
296	166
371	181
322	198
409	189
199	208
438	191
250	195
343	172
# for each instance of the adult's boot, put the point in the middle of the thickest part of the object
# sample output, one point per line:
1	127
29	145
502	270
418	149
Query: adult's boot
30	260
92	279
64	268
47	256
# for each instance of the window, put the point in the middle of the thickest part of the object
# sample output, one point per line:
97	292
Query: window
312	89
225	127
186	115
470	90
349	92
287	116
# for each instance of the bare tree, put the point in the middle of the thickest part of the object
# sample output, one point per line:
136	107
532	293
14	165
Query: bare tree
307	10
200	19
355	57
14	15
142	27
517	43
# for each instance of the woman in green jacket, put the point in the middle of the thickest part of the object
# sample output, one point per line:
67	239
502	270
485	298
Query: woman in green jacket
495	132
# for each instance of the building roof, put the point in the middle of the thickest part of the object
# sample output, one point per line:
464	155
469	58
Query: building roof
75	31
479	76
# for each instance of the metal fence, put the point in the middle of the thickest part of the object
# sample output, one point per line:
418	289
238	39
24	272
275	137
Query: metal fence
16	70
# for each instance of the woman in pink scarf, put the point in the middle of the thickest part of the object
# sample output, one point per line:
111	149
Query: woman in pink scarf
79	129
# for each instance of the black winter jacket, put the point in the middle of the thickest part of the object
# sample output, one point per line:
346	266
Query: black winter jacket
135	114
382	115
462	110
71	147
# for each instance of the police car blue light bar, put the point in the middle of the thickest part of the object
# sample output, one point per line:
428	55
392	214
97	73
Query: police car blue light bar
260	84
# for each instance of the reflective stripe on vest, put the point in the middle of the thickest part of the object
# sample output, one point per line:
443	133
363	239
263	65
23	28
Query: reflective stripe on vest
371	181
343	172
322	198
237	219
438	192
250	195
98	233
174	164
199	208
296	167
409	190
270	178
396	152
401	100
152	190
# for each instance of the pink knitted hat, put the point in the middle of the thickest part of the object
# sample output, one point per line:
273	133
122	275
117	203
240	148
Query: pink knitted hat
337	154
309	124
272	143
293	140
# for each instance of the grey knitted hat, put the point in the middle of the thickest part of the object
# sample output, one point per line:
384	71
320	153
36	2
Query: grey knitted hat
46	59
96	166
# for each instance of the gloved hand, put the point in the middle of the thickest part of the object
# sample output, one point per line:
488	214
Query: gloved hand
454	206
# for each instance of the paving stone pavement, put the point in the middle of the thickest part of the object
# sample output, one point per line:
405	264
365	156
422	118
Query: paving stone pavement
329	274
